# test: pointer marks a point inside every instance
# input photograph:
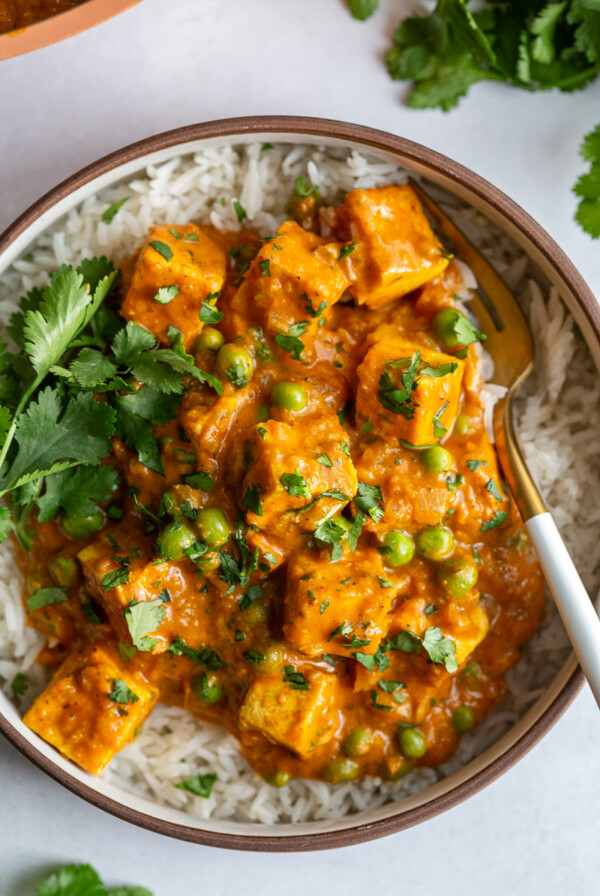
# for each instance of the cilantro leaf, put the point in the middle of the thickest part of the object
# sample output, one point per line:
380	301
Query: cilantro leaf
303	189
19	684
66	307
393	397
370	500
73	880
291	341
252	501
91	368
143	618
208	313
199	785
296	680
77	492
166	294
73	435
295	485
362	9
498	519
347	250
108	215
121	693
441	650
587	187
43	597
330	532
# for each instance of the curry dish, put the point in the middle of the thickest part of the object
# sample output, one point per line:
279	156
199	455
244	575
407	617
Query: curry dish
21	13
320	555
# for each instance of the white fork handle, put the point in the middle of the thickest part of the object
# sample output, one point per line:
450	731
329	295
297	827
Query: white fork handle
574	605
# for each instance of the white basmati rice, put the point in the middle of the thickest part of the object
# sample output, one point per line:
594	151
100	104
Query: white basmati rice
558	421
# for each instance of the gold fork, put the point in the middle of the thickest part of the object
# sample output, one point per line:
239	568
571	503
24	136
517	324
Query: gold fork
510	344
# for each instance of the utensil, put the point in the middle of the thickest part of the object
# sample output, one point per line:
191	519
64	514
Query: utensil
510	344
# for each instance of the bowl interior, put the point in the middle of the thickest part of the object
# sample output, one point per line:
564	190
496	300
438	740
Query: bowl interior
554	700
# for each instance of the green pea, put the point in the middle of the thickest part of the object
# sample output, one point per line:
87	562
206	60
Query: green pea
263	413
291	396
358	742
63	570
172	542
212	526
209	338
401	548
278	778
435	542
445	325
235	363
458	575
83	526
412	743
340	769
399	773
463	719
207	688
274	657
256	613
462	425
437	459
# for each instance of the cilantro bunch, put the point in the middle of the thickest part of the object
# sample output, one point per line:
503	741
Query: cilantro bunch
83	880
77	376
531	44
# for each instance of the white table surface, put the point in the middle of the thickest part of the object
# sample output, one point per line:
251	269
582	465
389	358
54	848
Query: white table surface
165	64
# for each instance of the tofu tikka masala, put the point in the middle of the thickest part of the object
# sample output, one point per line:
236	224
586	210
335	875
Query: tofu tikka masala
310	544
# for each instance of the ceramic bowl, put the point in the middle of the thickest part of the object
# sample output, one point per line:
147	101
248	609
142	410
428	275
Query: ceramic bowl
65	24
551	262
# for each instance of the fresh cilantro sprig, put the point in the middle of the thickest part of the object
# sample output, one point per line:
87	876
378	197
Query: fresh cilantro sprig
83	880
587	187
533	45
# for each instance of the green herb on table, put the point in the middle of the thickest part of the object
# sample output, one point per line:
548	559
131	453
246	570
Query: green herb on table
531	45
82	880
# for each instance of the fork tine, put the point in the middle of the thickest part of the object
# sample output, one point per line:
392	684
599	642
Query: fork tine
501	319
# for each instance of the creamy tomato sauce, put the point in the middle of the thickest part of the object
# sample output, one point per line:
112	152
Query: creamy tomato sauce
322	558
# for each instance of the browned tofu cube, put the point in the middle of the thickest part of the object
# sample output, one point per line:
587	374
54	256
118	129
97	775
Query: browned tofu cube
297	477
153	602
300	720
420	414
186	266
397	251
463	621
294	279
92	707
339	608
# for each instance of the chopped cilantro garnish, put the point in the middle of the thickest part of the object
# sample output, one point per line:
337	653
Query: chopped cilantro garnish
304	189
347	250
296	680
19	684
143	618
239	210
324	459
498	519
166	294
199	785
121	693
252	501
162	249
370	500
493	489
439	430
208	313
291	342
201	480
295	485
109	214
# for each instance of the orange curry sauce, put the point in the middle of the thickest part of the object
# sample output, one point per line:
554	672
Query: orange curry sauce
316	642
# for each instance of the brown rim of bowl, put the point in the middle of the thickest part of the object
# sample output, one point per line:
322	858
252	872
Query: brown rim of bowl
458	175
60	26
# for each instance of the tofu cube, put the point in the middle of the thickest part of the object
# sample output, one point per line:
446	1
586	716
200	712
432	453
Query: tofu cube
300	720
171	587
92	707
428	410
295	277
280	451
397	250
330	607
181	257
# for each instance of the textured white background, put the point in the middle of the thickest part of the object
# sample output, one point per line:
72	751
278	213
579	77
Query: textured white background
167	63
